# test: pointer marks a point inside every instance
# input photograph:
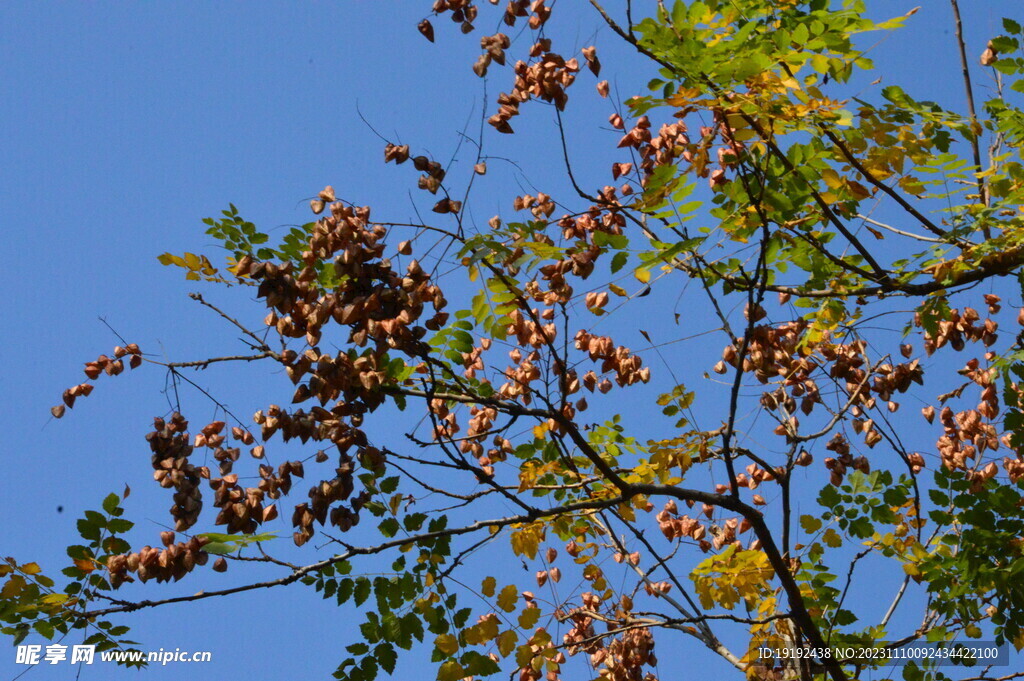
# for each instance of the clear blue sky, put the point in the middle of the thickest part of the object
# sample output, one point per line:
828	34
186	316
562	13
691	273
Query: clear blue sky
122	125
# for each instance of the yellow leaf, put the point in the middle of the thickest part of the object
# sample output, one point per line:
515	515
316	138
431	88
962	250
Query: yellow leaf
171	259
642	275
526	540
31	568
832	538
858	190
831	178
683	96
482	632
487	586
192	261
507	598
528	618
208	268
744	134
447	644
911	569
54	599
911	185
13	587
451	671
507	642
618	290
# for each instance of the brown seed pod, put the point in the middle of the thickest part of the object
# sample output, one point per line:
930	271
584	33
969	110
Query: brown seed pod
426	29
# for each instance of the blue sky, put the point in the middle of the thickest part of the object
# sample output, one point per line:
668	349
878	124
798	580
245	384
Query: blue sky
122	125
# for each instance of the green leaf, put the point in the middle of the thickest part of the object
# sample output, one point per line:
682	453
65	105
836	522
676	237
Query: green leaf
619	261
386	657
362	590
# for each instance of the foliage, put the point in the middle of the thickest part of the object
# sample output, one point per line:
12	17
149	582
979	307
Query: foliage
753	199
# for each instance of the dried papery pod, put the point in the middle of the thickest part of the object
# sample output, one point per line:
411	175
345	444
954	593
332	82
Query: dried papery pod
426	29
57	411
590	54
501	125
436	170
989	56
481	64
480	168
220	565
430	184
317	206
396	153
755	314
